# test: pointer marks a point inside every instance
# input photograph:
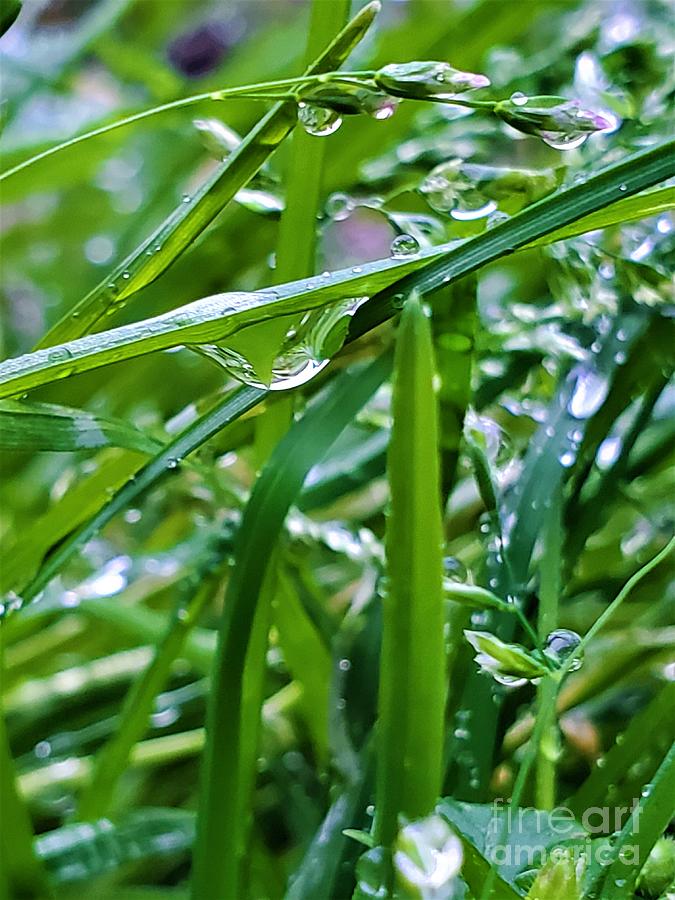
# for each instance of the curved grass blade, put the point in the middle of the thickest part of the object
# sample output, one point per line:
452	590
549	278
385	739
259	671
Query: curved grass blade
230	757
557	211
412	665
229	409
188	220
46	426
218	317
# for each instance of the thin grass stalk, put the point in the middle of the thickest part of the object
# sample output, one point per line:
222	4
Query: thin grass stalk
549	595
412	696
112	759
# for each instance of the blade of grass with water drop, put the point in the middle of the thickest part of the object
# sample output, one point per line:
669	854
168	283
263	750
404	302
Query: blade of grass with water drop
217	318
46	426
643	828
411	704
177	232
230	757
635	743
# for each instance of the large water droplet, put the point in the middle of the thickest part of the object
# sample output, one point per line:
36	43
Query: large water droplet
560	140
518	98
560	645
404	245
590	391
454	569
317	120
339	206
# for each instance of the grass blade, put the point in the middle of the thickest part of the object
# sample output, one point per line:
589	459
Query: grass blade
412	667
46	426
111	760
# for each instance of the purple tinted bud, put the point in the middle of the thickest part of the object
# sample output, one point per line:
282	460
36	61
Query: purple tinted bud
427	80
562	123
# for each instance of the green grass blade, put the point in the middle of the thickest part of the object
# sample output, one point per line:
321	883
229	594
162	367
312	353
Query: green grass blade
180	229
46	426
635	744
549	598
643	828
218	317
83	851
412	666
226	411
229	759
22	555
22	873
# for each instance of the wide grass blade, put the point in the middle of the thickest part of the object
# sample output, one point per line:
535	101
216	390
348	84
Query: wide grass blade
46	426
412	668
643	828
217	318
230	755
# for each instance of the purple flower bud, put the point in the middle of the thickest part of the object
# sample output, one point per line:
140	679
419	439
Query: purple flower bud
561	123
427	80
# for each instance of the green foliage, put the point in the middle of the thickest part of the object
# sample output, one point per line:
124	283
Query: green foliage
325	359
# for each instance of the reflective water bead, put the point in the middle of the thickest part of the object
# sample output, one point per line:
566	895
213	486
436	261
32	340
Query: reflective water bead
404	245
318	121
560	645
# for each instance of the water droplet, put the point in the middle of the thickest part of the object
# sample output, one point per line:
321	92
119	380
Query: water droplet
344	665
564	141
518	98
560	645
589	393
454	569
126	275
480	212
567	459
318	121
186	198
382	107
59	355
339	206
623	188
404	245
